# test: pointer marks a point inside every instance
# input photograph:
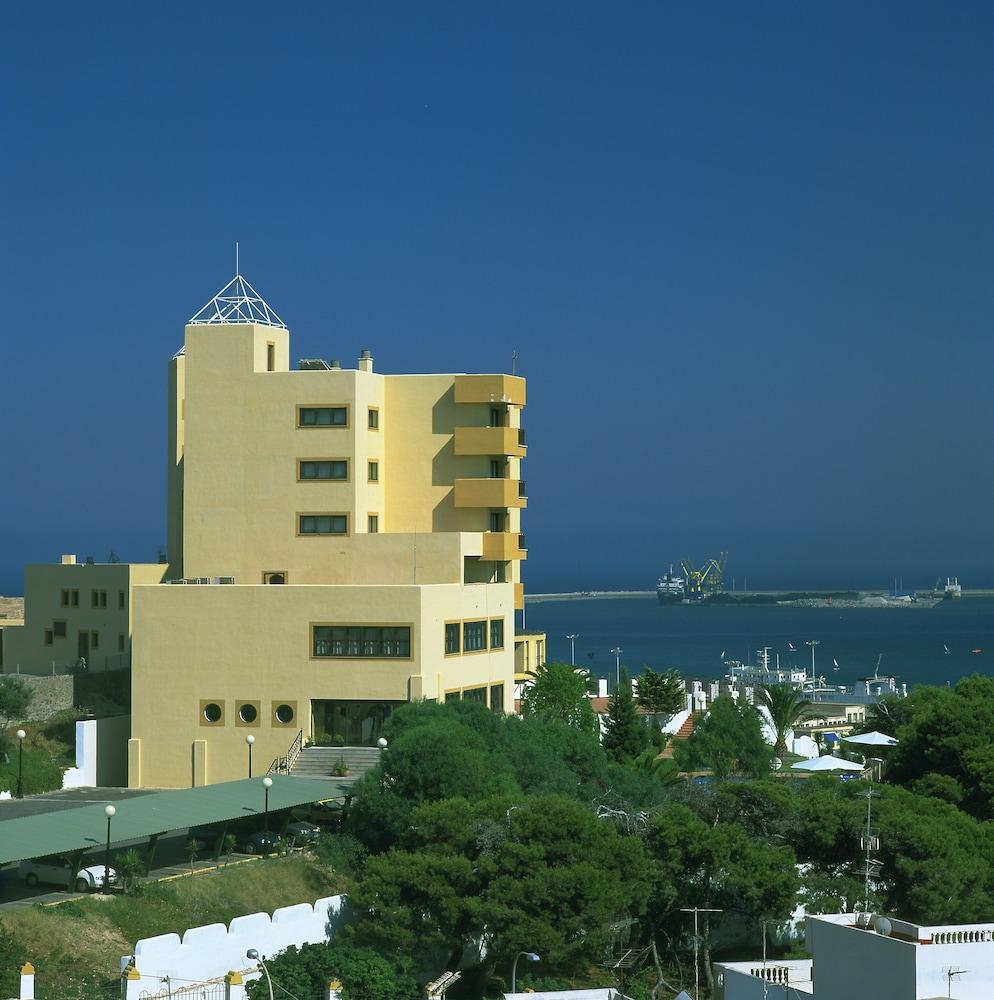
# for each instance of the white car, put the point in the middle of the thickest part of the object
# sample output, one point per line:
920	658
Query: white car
54	870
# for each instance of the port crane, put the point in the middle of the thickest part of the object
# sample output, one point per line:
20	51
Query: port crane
705	579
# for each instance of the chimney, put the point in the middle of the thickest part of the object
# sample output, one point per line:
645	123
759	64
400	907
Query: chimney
68	560
365	360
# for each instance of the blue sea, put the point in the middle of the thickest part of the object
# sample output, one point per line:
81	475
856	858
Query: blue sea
693	639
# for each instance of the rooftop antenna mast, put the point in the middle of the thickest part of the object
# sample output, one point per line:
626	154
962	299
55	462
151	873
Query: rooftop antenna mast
869	841
514	362
237	271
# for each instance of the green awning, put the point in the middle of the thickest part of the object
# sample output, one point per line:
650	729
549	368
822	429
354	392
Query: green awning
85	827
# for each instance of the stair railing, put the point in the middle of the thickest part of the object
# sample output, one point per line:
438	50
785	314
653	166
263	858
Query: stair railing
284	764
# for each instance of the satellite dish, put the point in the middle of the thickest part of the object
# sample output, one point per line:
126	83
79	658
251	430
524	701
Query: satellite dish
882	925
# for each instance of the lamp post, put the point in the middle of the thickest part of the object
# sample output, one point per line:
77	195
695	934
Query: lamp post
20	762
249	740
109	811
812	643
382	744
267	783
531	956
617	663
697	942
572	651
254	956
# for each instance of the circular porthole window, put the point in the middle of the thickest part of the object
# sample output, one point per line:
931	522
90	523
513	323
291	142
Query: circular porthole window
247	713
284	714
212	712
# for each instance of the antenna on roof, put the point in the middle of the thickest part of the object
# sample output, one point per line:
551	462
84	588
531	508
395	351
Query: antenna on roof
514	362
237	271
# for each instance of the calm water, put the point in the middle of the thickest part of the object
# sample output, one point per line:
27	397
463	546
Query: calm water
693	638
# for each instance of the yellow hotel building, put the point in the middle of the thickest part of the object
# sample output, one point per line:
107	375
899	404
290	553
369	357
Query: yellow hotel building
340	541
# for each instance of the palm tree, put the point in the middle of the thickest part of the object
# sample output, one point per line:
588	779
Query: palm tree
786	705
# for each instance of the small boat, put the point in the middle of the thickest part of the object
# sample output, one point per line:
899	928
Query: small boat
976	650
945	649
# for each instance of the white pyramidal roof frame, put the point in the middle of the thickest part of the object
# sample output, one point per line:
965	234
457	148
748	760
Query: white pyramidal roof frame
237	302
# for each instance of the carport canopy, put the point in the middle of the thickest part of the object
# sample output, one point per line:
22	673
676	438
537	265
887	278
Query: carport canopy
85	827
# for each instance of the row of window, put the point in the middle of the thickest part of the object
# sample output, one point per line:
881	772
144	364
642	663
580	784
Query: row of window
324	469
332	524
98	599
474	636
333	416
479	694
362	641
59	630
212	713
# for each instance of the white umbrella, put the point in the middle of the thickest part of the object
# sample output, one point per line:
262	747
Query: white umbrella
873	739
827	763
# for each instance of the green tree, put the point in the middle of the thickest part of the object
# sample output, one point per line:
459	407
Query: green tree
306	972
786	706
561	692
15	699
661	694
625	734
728	740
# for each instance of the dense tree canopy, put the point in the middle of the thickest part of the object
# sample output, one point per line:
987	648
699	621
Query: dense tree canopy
728	740
560	693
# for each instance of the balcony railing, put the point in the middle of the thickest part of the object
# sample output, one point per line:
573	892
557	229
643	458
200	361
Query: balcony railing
521	542
502	546
488	493
522	492
521	437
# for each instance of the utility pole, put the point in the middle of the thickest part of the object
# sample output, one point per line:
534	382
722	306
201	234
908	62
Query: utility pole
617	665
697	940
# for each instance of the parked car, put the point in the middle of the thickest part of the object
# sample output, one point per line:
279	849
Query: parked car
258	841
54	870
302	832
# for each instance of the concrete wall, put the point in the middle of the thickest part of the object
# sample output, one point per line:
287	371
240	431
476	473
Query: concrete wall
209	952
854	964
101	754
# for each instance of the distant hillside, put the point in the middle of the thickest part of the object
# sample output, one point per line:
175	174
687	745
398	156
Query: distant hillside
11	607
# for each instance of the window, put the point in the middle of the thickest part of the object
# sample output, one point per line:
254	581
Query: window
373	523
74	598
284	714
270	357
248	713
478	695
65	599
48	637
323	416
496	417
474	636
274	577
120	642
94	640
324	524
452	638
362	641
453	695
496	468
98	598
374	472
59	630
496	521
212	713
324	469
496	697
120	600
497	633
374	419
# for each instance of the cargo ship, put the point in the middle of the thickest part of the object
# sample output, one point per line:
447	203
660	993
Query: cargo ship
671	589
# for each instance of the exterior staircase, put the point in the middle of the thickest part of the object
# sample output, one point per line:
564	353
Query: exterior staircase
317	762
683	733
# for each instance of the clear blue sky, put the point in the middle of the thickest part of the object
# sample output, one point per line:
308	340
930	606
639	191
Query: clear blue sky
745	252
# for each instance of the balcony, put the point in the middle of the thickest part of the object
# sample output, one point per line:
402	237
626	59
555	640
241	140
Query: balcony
502	546
490	441
519	597
489	493
490	389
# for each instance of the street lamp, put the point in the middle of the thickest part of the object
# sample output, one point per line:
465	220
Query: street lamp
382	744
20	762
109	811
617	662
255	957
812	643
267	783
250	739
572	651
531	956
